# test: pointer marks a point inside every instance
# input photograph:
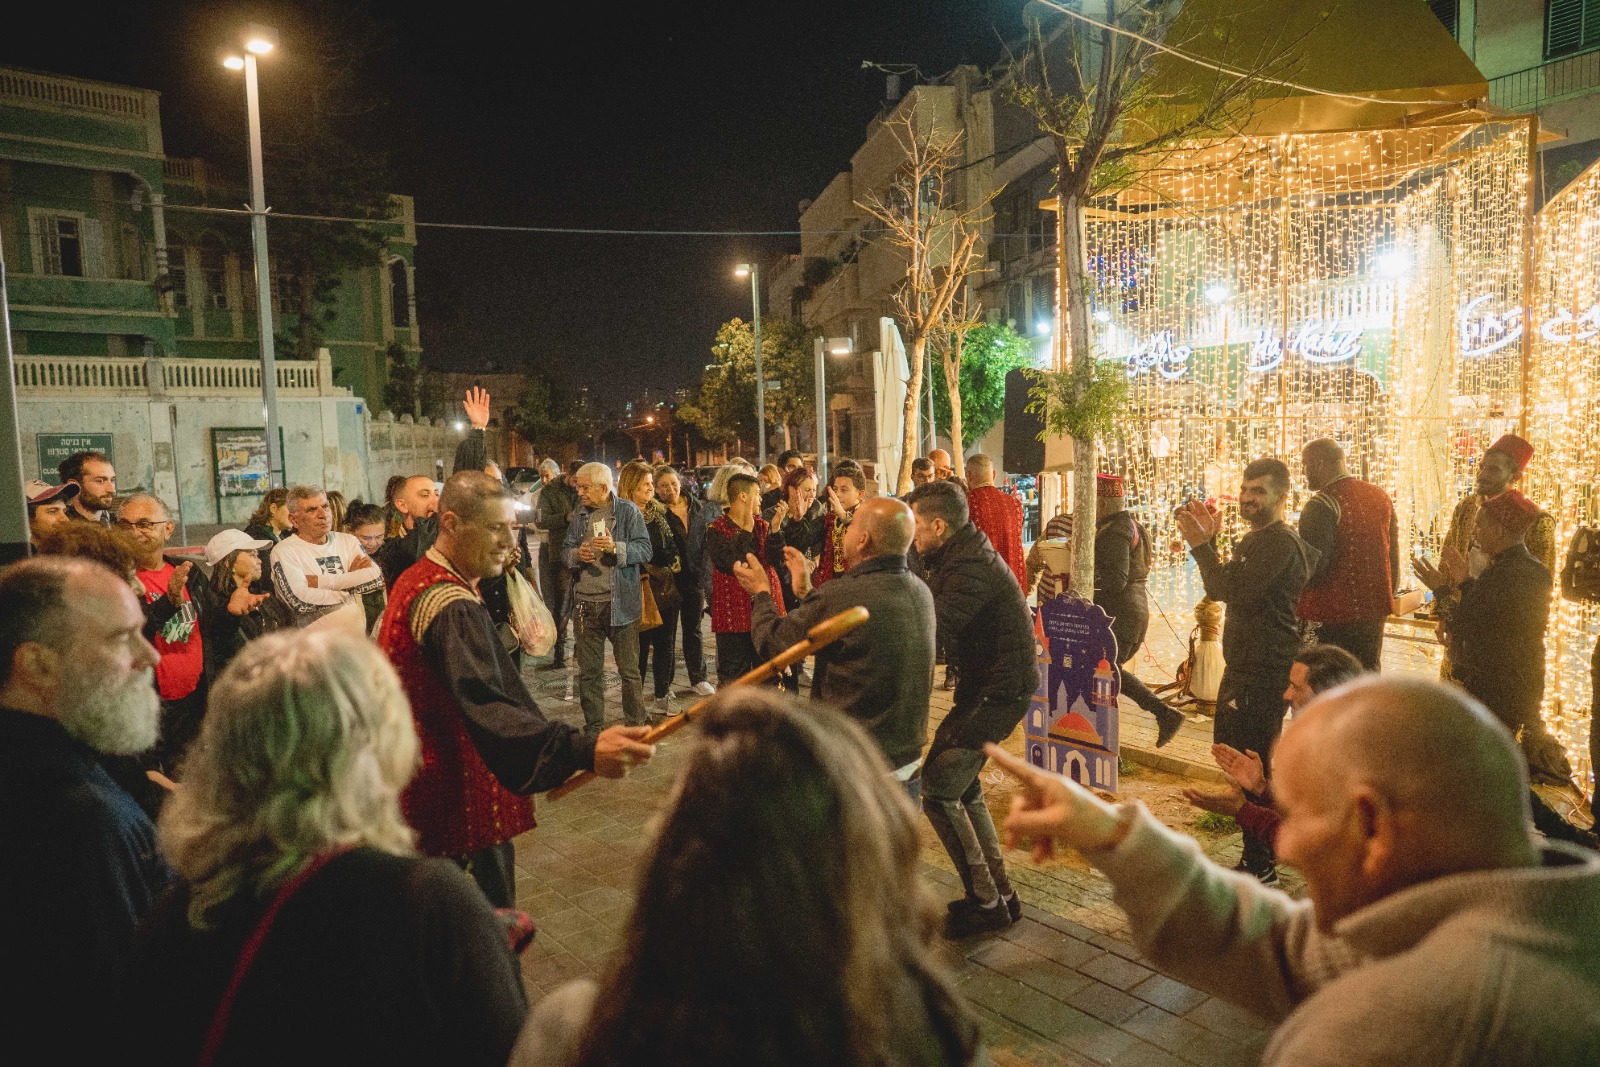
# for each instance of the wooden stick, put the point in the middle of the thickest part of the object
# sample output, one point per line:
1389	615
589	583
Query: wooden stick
821	635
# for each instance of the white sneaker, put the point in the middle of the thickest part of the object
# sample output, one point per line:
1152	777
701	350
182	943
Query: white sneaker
660	707
703	688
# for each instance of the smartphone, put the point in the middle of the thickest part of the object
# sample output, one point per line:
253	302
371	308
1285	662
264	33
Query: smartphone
599	528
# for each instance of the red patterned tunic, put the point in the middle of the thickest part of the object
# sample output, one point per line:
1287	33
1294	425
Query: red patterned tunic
726	544
1357	583
830	561
999	515
455	803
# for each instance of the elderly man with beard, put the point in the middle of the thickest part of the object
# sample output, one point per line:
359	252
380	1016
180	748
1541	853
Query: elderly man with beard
78	861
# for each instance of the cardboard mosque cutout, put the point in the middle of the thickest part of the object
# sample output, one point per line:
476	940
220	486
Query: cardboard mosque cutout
1071	728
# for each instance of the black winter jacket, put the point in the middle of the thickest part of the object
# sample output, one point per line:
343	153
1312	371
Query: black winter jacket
986	629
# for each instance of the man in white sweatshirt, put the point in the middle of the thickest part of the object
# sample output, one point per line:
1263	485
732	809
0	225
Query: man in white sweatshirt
1437	932
317	569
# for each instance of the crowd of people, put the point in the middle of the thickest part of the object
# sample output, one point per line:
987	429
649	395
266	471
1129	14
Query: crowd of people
285	785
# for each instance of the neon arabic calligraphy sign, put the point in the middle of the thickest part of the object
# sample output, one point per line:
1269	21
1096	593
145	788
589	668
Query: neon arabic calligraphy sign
1484	333
1315	341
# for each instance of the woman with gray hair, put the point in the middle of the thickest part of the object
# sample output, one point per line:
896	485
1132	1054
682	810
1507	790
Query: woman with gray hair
303	925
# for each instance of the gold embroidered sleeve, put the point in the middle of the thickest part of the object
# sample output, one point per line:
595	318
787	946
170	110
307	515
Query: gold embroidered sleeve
431	602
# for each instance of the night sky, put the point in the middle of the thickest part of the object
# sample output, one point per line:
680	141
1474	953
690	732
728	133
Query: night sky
710	115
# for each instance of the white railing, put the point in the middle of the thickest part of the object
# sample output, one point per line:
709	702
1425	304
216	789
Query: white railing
69	376
103	376
87	96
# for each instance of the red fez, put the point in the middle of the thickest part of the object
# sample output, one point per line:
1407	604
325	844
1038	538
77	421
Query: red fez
1513	512
1516	448
1108	486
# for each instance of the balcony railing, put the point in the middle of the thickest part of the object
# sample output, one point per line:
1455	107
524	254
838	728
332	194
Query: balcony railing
100	376
1527	90
70	92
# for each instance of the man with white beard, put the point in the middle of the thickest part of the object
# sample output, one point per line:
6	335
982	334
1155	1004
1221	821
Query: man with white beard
78	860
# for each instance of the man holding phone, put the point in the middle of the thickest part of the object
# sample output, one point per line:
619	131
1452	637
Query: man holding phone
606	544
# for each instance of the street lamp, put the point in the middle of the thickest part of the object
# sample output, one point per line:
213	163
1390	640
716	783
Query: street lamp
259	41
754	271
837	346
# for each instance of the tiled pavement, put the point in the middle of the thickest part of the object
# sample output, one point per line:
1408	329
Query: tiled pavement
1049	990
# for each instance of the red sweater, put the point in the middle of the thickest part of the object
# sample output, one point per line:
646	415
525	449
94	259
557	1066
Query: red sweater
455	803
730	604
999	515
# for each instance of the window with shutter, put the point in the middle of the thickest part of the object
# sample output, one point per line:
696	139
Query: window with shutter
178	272
214	273
94	248
58	244
1447	12
1570	26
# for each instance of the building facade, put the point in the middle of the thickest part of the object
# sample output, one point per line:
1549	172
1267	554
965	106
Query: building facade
105	255
1539	56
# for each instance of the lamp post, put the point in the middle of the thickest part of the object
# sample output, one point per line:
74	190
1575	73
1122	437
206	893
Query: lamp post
258	41
754	271
839	346
14	533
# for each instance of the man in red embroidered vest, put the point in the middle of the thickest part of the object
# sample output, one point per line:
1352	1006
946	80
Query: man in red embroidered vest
738	532
485	744
997	513
1352	523
847	488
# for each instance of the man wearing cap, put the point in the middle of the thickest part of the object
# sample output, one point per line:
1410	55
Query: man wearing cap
49	506
1121	568
1352	523
1494	626
1502	467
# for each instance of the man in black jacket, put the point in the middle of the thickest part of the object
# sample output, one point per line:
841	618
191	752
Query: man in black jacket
1495	630
880	673
1261	585
986	630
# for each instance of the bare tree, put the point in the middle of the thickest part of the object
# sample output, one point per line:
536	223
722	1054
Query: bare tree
1107	99
949	343
937	233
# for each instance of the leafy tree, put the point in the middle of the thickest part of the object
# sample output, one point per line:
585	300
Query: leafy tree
549	414
987	353
1115	109
725	406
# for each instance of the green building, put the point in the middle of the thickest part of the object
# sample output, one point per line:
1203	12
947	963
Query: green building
103	259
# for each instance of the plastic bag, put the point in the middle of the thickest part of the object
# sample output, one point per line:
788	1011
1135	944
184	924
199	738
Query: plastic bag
534	625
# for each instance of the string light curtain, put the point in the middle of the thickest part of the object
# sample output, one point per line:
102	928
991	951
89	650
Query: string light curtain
1564	425
1365	286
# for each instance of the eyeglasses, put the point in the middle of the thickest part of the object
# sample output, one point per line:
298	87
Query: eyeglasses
143	525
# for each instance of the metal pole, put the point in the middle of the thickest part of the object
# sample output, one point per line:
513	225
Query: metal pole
258	241
13	508
761	381
822	409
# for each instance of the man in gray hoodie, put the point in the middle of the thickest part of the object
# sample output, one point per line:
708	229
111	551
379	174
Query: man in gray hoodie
1437	931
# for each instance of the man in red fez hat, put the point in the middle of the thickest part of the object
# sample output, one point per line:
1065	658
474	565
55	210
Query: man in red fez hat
1500	468
1494	626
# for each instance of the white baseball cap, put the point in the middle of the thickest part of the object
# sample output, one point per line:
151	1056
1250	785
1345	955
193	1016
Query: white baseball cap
229	541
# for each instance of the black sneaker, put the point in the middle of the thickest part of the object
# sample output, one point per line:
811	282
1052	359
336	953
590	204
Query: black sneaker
1168	722
967	918
1266	874
1014	907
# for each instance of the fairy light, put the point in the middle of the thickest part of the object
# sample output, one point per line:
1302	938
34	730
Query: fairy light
1367	287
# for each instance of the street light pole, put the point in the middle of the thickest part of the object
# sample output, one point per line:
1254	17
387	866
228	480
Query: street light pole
259	41
822	409
754	270
14	533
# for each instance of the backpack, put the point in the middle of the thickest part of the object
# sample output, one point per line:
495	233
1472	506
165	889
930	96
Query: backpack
1580	577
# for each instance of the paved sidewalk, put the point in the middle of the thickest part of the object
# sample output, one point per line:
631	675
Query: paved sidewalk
1059	987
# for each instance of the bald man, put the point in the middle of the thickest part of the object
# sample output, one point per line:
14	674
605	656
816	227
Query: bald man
882	671
942	465
1352	524
997	513
1436	931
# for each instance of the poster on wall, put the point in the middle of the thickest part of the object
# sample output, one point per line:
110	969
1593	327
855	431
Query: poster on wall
1072	725
240	456
55	447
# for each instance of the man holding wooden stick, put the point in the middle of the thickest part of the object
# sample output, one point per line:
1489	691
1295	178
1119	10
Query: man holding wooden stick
881	673
485	744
